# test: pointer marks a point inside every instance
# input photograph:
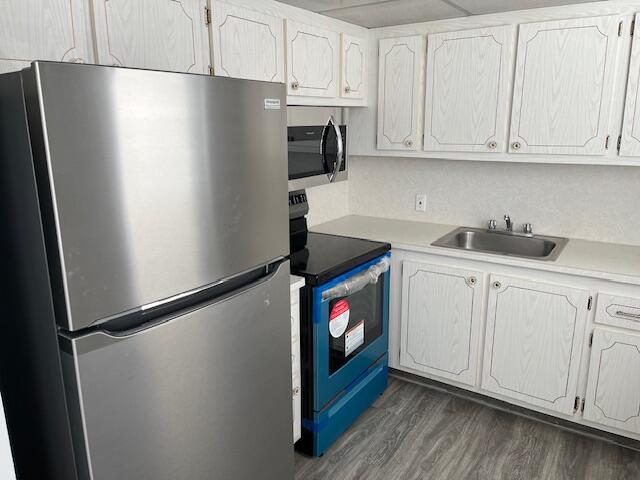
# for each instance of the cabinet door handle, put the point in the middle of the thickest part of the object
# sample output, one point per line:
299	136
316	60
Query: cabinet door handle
497	285
295	85
492	145
408	143
471	281
516	145
633	316
347	89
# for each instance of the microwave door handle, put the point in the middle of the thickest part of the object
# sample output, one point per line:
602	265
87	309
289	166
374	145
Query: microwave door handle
357	282
340	152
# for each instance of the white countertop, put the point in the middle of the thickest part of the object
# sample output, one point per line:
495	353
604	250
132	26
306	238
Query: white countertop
610	261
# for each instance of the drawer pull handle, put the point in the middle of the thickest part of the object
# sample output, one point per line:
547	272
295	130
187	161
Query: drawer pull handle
634	316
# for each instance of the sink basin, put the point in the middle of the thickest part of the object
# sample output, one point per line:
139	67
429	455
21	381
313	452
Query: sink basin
503	243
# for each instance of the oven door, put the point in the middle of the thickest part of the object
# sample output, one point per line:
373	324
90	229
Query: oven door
350	332
317	155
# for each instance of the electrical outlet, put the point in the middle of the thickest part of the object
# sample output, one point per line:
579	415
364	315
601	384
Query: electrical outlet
421	202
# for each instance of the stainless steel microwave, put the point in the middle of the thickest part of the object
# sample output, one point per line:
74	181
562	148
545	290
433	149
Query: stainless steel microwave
317	139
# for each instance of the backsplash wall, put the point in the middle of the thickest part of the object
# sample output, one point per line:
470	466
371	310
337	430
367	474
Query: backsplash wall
599	203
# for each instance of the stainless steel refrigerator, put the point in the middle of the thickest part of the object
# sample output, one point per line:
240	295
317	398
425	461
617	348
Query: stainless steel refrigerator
145	282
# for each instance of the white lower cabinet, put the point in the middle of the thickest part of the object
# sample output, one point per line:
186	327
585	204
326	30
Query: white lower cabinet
296	376
533	342
441	310
613	389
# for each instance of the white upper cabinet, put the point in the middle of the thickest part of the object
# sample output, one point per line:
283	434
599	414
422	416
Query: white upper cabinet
400	64
353	74
630	141
613	390
313	60
466	102
534	341
154	34
247	44
441	312
43	30
563	86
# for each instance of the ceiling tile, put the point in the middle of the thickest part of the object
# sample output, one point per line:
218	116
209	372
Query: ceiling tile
322	5
396	12
478	7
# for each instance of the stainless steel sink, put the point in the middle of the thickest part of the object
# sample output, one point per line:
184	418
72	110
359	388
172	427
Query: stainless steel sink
503	243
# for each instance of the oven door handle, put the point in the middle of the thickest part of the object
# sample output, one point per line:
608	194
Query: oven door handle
358	282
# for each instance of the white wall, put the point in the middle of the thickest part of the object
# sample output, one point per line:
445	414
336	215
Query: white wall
327	202
591	202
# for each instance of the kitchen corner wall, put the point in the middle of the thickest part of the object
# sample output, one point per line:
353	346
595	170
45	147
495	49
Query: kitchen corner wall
328	202
599	203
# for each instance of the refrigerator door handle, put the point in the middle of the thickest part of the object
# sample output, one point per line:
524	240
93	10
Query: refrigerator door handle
114	336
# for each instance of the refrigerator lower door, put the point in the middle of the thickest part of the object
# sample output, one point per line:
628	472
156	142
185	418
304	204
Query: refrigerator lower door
205	395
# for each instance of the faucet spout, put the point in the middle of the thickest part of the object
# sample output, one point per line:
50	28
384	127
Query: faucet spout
507	219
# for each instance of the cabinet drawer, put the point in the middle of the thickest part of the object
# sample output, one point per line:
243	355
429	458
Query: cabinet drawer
618	311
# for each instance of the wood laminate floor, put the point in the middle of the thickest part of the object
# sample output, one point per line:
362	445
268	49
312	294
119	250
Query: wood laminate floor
414	432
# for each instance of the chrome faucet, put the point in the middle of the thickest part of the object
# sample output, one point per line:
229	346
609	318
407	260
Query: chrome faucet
507	219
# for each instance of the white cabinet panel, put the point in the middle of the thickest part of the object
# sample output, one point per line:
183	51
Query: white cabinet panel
533	342
154	34
296	374
313	60
630	142
613	390
7	471
441	310
247	44
43	30
468	75
353	75
400	63
563	86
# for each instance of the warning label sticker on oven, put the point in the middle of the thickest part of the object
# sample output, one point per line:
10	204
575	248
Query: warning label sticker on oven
339	318
354	338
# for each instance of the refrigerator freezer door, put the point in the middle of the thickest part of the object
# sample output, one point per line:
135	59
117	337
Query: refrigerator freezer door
154	183
205	395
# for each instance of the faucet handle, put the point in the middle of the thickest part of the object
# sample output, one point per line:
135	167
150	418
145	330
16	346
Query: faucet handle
507	217
492	224
527	228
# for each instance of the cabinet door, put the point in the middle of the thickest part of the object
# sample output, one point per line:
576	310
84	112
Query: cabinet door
353	67
533	342
441	310
154	34
467	90
247	44
400	63
563	86
43	30
613	390
630	142
313	60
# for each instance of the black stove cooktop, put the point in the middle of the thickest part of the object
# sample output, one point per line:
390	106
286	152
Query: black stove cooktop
326	256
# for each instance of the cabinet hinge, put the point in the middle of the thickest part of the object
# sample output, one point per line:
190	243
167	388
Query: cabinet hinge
620	28
211	70
606	142
619	143
207	16
591	340
582	405
590	303
576	404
